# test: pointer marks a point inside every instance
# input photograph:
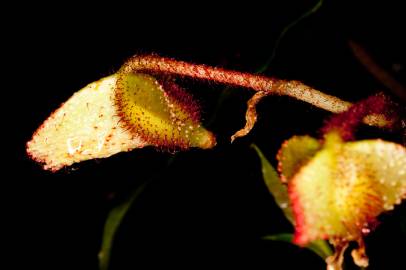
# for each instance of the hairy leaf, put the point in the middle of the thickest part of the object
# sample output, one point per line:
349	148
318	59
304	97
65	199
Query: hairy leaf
115	114
344	187
294	153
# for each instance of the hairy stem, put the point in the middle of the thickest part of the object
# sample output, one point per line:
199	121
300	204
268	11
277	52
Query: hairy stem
162	65
347	122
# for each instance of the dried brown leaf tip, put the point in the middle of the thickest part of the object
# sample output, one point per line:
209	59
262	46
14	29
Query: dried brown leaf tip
251	114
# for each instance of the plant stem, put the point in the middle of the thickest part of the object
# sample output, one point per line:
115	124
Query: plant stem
377	71
285	30
162	65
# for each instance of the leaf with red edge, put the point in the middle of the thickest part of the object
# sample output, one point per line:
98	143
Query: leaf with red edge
119	113
344	187
160	112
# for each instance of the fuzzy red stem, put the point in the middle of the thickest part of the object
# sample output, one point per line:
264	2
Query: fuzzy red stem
158	64
298	90
346	123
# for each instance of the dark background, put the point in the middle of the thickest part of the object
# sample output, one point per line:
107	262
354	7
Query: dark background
207	208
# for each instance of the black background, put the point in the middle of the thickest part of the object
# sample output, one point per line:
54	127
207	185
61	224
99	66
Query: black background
208	208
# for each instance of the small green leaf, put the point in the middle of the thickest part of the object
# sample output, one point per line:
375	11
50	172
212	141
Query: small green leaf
275	186
282	237
320	247
113	222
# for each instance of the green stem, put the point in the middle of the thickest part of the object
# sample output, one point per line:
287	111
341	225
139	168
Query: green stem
314	9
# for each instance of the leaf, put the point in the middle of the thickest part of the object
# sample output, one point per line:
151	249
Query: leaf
84	127
114	219
275	186
320	247
160	112
103	119
280	193
116	216
344	187
294	153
